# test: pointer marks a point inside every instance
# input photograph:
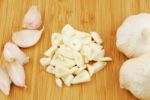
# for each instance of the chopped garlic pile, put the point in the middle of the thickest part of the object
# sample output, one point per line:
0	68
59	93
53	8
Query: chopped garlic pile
74	56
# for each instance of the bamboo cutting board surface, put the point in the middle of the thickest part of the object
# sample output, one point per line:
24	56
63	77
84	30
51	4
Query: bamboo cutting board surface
103	16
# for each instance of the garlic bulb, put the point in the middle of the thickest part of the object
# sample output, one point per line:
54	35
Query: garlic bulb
135	76
133	36
16	73
12	52
26	38
5	81
32	19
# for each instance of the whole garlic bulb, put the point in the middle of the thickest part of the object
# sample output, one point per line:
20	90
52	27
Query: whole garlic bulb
133	36
135	76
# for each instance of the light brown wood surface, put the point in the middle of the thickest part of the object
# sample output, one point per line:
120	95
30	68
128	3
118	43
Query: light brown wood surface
103	16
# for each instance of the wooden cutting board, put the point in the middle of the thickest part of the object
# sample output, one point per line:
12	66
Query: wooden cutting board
103	16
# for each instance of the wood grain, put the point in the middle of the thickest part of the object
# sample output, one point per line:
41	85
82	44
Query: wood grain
103	16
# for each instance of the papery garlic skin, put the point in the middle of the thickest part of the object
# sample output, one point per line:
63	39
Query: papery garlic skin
26	38
11	52
16	73
32	19
135	77
5	81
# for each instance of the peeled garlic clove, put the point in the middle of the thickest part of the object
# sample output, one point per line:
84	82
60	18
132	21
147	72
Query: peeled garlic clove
68	30
86	40
59	82
12	52
69	62
82	77
45	61
16	73
98	66
96	37
50	69
32	19
56	39
5	81
68	79
78	59
91	69
50	52
26	38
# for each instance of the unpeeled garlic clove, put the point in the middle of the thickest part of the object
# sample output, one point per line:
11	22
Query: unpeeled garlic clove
5	81
16	73
82	77
32	19
27	38
12	52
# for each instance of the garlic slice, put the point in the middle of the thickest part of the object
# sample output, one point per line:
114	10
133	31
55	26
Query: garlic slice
91	69
50	69
56	39
59	82
16	73
32	19
45	61
79	70
75	44
96	37
27	38
68	79
98	66
105	59
81	77
5	81
12	52
78	59
50	52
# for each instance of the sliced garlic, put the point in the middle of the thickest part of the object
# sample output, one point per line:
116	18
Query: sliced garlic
91	69
59	82
50	69
56	39
12	52
65	51
78	59
69	62
32	19
80	69
16	73
105	59
96	37
75	44
98	66
45	61
62	71
50	52
68	79
5	81
86	40
81	77
26	38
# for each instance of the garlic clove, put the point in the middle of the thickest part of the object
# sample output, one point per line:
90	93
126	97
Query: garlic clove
75	44
5	81
45	61
16	73
56	39
12	52
105	59
80	69
32	19
27	38
81	77
96	37
68	79
78	59
50	52
69	62
59	82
